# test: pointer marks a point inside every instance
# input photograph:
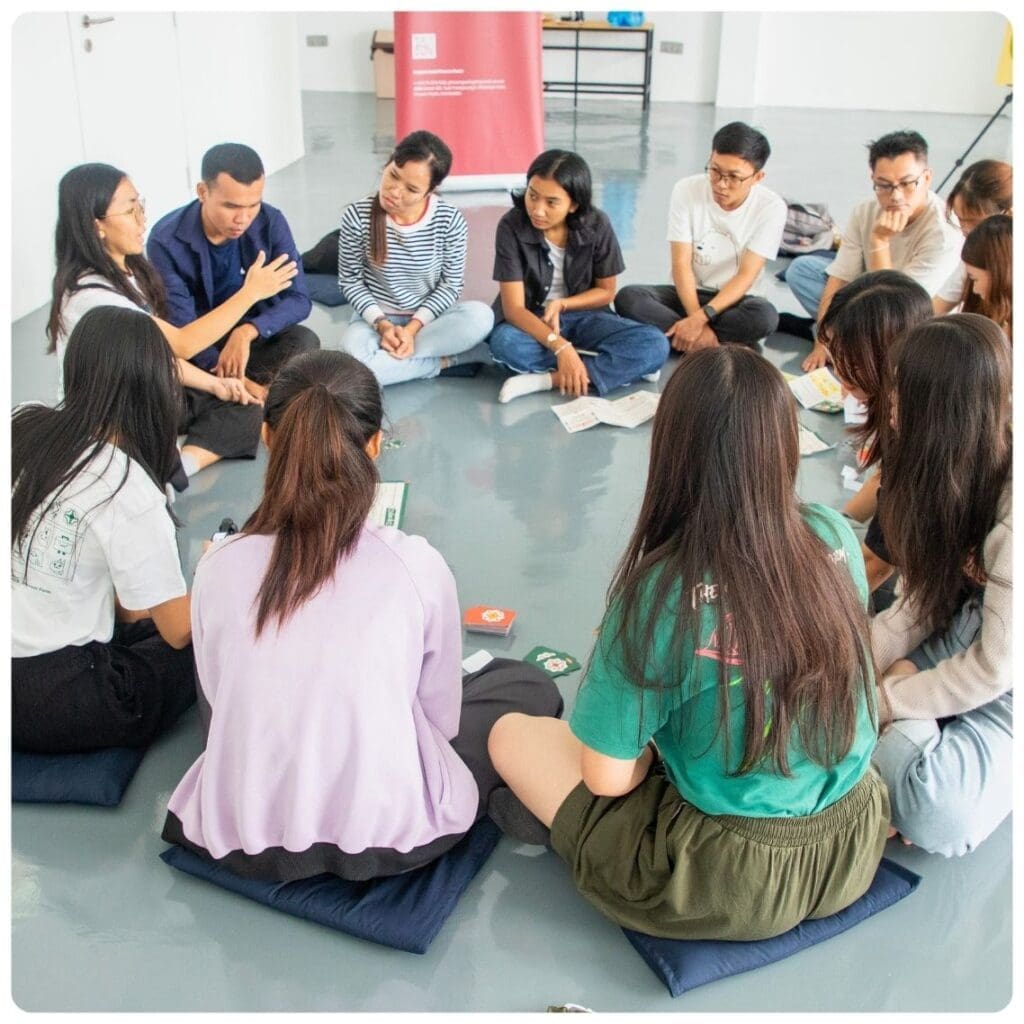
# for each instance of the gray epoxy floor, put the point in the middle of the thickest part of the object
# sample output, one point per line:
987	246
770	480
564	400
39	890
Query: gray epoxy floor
530	517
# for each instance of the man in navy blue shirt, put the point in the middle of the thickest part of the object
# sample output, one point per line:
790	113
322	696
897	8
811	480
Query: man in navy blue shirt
203	251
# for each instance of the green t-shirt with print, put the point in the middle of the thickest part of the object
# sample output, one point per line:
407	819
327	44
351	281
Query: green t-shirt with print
616	718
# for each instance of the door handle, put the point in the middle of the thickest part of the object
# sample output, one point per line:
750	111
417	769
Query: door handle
88	22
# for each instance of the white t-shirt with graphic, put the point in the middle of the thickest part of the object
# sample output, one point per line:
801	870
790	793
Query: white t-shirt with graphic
84	550
720	237
93	291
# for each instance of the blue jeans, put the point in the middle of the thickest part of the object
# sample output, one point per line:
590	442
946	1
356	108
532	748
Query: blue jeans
625	349
456	330
806	278
949	785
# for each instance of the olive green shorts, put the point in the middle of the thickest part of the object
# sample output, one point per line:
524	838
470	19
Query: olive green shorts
654	863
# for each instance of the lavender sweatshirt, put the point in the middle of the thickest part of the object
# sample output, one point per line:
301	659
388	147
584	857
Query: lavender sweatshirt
334	729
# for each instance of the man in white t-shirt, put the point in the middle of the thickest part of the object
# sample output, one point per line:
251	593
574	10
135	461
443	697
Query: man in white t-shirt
723	226
905	227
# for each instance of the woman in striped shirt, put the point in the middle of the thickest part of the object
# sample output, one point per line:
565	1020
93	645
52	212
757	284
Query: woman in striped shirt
401	258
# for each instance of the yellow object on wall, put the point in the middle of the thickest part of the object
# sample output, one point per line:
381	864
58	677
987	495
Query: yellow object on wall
1004	68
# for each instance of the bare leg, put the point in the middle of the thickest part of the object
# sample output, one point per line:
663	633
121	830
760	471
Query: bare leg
540	760
200	456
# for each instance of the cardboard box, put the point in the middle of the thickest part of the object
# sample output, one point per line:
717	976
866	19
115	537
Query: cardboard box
382	53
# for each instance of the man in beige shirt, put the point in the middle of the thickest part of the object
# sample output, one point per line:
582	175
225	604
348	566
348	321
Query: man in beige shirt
904	228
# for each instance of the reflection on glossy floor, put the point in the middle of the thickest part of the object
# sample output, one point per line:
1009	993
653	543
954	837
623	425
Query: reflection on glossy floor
533	518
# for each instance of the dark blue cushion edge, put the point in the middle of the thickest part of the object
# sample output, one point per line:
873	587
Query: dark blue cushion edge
892	883
463	861
97	778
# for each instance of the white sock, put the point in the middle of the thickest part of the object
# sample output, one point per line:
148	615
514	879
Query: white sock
651	378
524	384
189	463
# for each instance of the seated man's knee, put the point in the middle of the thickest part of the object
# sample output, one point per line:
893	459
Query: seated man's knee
304	340
628	300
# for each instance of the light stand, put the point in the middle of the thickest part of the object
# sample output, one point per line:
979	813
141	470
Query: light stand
977	139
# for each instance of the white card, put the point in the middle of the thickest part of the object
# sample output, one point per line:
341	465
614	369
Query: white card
476	661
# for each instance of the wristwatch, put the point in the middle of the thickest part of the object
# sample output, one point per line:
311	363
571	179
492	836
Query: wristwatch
709	311
551	338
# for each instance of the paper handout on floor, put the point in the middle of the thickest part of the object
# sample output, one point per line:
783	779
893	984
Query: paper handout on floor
817	390
586	412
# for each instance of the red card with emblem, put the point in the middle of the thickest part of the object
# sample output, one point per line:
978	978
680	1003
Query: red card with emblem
488	618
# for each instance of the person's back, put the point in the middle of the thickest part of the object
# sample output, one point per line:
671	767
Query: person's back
341	736
333	728
720	743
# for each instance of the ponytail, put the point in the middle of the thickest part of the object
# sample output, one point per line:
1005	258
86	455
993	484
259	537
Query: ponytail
378	233
324	407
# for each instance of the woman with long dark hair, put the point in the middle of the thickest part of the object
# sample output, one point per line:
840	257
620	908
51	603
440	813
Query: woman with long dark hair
988	263
721	740
341	736
944	646
100	252
100	615
401	264
863	322
985	189
556	259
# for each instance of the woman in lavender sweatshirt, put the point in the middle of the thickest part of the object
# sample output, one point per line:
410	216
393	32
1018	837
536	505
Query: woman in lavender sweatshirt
341	736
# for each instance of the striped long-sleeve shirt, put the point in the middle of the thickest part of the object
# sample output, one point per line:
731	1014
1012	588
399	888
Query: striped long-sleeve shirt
424	269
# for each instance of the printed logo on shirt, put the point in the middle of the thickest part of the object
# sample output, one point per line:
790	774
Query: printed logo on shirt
715	247
54	545
721	645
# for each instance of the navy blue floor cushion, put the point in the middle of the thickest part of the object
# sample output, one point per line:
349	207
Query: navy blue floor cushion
685	964
98	777
402	911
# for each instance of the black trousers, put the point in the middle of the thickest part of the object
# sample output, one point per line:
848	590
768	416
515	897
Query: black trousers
120	694
745	323
500	687
268	355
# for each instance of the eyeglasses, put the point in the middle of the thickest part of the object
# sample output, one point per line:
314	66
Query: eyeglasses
883	188
138	211
731	180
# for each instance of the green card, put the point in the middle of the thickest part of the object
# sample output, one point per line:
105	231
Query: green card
554	663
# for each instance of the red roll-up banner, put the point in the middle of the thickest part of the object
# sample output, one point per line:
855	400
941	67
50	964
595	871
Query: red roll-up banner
474	78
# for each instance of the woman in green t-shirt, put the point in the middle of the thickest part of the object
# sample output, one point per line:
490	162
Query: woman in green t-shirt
714	778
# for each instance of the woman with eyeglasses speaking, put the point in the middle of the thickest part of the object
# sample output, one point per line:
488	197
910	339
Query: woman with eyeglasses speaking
100	257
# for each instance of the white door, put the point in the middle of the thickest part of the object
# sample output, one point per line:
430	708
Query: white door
129	97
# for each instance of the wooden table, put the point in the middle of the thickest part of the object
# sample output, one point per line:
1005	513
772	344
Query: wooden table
589	86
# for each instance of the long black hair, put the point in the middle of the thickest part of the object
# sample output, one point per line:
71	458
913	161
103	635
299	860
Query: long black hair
83	196
863	322
323	408
571	172
947	461
416	147
121	387
721	523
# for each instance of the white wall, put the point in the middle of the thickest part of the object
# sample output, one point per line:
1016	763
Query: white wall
241	82
51	133
920	61
343	65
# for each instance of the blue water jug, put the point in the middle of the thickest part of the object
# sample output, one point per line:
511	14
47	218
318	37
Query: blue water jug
625	19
